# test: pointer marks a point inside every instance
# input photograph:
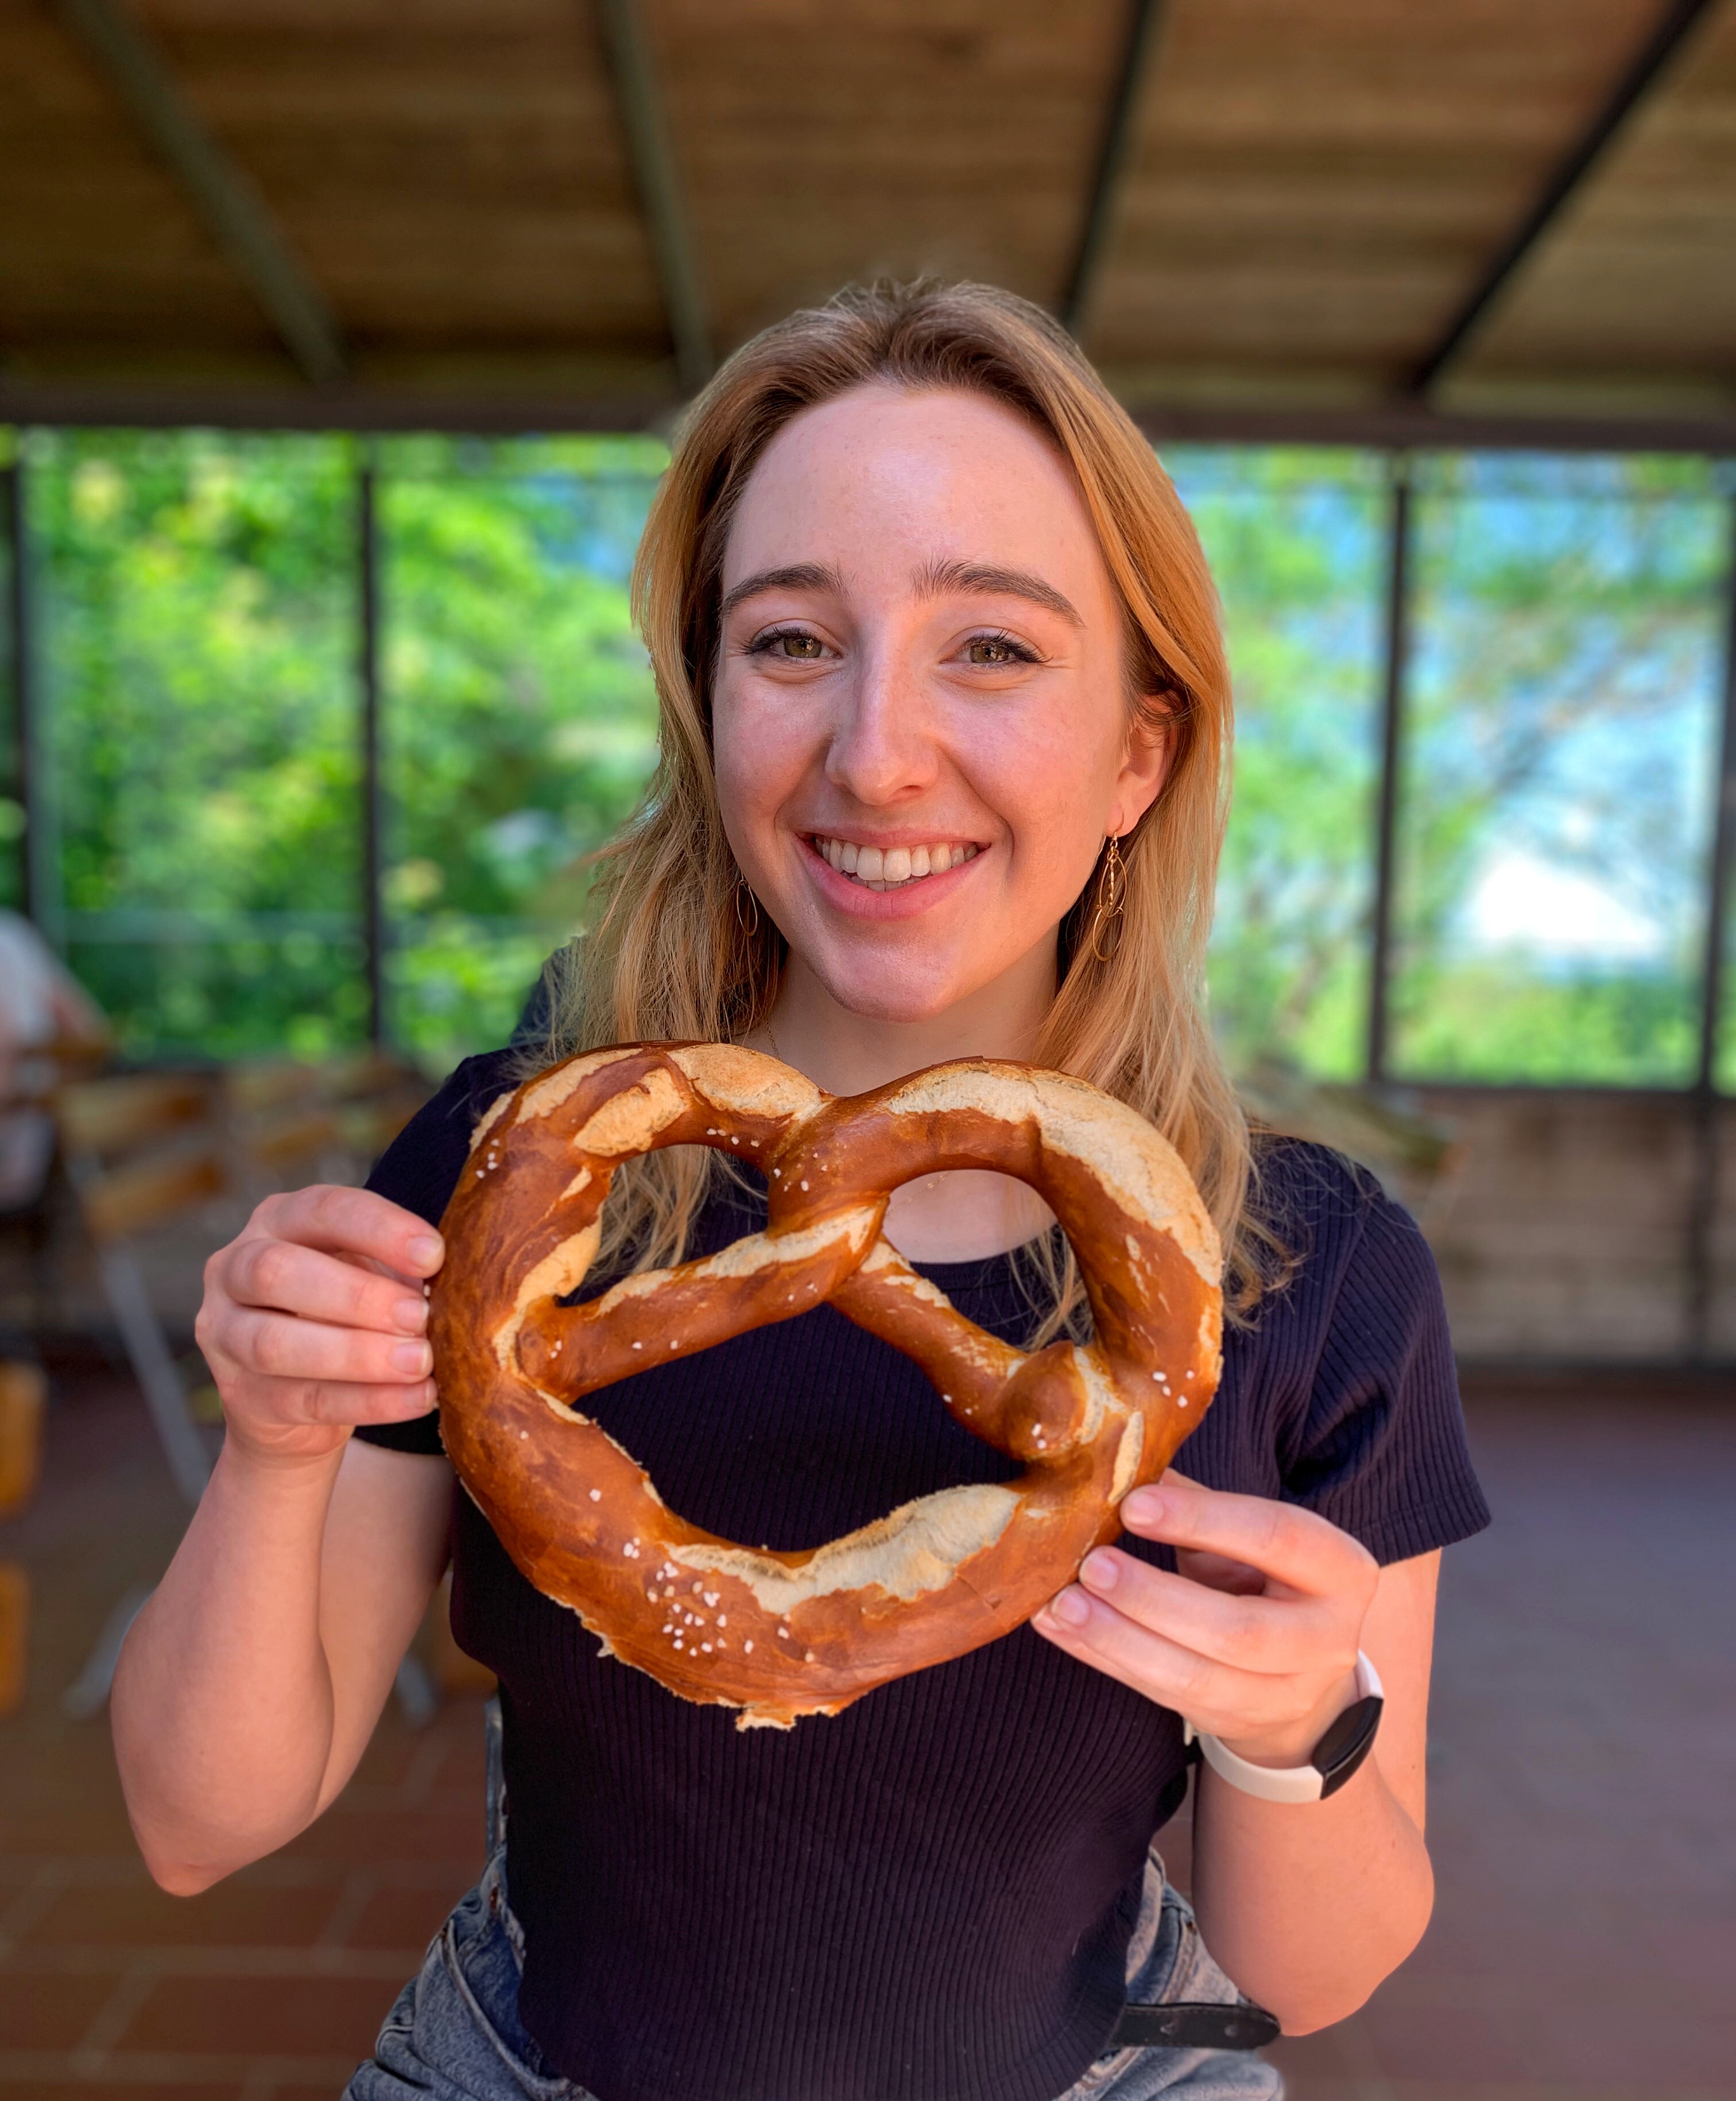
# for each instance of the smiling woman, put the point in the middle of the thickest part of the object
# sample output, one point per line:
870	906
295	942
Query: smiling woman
943	718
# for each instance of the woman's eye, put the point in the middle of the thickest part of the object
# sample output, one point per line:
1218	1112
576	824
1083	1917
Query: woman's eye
994	649
791	645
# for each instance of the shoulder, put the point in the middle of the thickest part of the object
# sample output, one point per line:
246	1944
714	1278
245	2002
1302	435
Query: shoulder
420	1168
1340	1389
1326	1215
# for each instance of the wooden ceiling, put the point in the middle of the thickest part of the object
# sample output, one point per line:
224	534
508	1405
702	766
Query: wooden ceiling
541	210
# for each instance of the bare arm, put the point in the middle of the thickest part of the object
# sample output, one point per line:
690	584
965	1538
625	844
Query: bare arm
1307	1906
1314	1905
251	1682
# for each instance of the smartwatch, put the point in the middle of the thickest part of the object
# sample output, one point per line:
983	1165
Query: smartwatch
1329	1764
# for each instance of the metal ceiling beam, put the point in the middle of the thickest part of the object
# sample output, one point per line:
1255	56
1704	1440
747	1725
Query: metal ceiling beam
639	96
1678	18
1143	19
224	196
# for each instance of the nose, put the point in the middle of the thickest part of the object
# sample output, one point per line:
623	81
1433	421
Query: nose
882	748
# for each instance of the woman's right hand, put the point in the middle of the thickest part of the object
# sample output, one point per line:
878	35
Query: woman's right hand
314	1320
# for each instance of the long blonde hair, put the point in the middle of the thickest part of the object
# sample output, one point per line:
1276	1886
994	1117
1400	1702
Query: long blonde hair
673	951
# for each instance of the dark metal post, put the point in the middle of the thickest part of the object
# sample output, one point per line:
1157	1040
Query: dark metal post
374	922
1391	740
1702	1216
24	696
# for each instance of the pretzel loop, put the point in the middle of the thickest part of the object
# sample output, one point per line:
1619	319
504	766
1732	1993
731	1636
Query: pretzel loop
777	1636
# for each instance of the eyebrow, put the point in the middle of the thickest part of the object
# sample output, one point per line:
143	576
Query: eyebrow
935	579
795	576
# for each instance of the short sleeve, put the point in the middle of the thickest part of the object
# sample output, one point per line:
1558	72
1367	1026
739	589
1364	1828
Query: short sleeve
1378	1445
420	1169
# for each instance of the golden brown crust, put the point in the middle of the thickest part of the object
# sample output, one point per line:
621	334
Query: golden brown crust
778	1635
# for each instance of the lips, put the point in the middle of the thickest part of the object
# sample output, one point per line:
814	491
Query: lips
891	867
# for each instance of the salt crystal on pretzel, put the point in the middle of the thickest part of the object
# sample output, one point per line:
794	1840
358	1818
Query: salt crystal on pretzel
930	1580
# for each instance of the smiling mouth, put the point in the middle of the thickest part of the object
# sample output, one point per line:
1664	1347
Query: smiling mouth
890	867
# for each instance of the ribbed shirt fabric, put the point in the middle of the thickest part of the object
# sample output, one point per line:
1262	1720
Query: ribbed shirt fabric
928	1897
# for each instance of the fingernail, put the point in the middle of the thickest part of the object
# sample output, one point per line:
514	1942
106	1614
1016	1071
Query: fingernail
1145	1507
430	1398
425	1250
411	1315
1070	1609
412	1357
1100	1572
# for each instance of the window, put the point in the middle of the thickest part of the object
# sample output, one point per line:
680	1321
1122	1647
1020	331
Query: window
519	721
196	674
1555	798
1297	544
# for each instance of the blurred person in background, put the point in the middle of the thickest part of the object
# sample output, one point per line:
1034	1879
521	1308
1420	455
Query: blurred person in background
945	718
46	1015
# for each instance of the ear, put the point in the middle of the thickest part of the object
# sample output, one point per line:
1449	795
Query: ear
1145	765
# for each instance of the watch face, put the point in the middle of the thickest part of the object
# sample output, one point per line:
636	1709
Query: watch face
1346	1743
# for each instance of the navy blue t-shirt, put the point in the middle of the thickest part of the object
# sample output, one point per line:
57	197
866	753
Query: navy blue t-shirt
929	1896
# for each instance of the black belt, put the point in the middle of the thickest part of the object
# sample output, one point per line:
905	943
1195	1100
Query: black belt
1190	2025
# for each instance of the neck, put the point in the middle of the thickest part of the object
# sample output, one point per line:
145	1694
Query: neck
958	1217
847	1053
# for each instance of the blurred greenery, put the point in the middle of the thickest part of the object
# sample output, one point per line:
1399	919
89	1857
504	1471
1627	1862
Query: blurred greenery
520	721
199	717
1297	545
203	733
1556	802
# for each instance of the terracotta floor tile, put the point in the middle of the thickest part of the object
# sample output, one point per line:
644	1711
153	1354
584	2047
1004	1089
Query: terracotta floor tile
407	1919
49	2013
308	2016
230	1915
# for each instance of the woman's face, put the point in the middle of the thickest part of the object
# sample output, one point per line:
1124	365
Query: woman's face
921	718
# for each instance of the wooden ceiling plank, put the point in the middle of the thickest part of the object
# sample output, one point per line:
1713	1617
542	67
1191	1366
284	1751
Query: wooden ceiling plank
232	207
639	97
1679	18
1144	20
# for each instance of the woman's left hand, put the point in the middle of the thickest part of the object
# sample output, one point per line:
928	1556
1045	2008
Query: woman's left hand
1254	1641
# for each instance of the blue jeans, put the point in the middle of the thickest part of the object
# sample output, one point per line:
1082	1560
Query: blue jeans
454	2034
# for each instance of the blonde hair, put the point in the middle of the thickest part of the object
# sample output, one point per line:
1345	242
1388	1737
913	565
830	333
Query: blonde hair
674	952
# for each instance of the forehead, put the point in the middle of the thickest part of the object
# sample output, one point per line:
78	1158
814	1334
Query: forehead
885	479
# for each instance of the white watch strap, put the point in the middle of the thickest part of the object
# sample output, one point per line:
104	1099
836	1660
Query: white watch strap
1277	1783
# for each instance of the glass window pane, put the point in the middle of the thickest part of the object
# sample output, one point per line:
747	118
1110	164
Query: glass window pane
199	694
1556	805
1297	545
520	719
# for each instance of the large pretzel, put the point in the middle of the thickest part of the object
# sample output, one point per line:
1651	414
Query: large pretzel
782	1635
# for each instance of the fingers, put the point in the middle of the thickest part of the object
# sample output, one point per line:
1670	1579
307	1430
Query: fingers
291	1278
267	1404
1287	1546
352	1222
1214	1695
1251	1634
267	1345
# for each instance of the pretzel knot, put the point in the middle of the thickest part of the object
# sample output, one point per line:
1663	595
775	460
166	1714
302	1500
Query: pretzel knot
777	1636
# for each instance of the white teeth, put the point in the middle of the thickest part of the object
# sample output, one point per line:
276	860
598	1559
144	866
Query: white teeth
890	867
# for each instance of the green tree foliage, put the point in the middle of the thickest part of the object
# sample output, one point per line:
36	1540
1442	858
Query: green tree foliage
1555	804
1296	544
521	718
199	695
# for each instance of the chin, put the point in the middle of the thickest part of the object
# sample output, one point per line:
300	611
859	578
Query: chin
882	992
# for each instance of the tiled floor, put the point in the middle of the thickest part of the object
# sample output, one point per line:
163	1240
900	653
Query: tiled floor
1583	1756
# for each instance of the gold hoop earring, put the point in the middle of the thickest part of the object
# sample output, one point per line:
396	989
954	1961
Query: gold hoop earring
1111	897
749	926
